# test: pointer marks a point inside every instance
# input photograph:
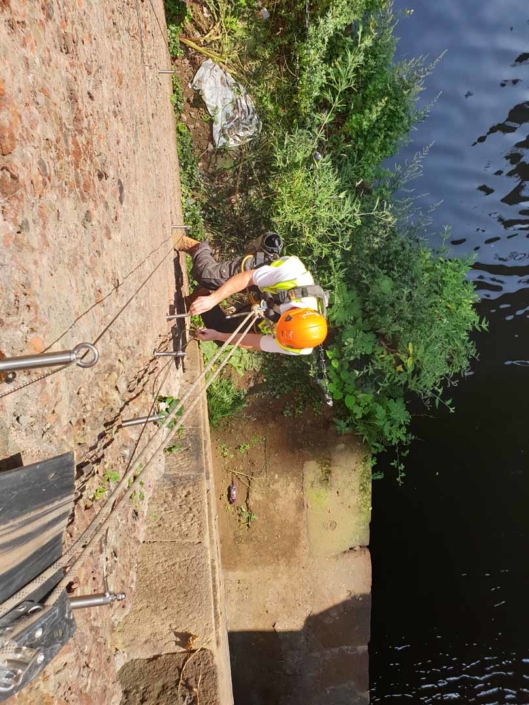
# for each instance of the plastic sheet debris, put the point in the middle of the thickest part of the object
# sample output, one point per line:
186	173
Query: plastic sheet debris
235	121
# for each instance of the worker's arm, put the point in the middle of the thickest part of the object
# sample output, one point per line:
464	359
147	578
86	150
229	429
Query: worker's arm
237	283
250	341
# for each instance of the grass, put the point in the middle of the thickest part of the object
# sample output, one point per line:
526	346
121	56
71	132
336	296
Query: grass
225	398
334	106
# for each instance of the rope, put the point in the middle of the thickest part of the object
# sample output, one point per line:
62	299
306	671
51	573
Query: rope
86	539
106	296
151	409
161	32
109	325
32	381
99	531
9	648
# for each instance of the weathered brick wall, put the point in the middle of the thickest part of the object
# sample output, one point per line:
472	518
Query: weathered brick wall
88	191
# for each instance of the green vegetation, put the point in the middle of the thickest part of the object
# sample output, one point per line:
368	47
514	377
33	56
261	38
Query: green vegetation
110	477
165	406
292	380
225	451
335	105
225	399
246	516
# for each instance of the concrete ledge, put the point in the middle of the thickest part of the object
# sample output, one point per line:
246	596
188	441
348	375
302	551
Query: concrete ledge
177	619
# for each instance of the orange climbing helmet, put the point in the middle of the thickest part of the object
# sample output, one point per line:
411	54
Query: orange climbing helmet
300	328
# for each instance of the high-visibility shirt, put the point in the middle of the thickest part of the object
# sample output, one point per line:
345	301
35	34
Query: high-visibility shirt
282	275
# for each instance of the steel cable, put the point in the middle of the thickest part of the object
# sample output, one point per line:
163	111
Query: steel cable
131	489
106	328
84	541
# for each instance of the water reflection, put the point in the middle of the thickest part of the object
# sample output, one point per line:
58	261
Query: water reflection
479	678
492	277
518	116
450	620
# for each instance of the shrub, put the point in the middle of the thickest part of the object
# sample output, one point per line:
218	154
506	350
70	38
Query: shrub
224	400
401	314
402	324
335	106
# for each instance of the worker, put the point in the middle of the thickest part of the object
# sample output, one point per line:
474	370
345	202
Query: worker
295	322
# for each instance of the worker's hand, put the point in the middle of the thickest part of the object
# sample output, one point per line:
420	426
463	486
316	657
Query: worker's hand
203	304
207	334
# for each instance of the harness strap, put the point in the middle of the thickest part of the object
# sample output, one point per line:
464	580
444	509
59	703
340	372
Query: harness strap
301	292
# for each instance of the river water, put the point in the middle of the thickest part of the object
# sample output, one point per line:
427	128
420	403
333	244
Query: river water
451	547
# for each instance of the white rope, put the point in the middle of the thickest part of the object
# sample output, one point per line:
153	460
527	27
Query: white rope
84	542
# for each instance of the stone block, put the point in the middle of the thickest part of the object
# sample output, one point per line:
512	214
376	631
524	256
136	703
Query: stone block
172	679
338	495
173	597
190	458
177	511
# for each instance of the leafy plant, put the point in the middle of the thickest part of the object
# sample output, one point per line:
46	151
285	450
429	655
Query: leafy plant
335	105
109	477
100	492
224	400
169	450
342	427
166	406
225	451
246	516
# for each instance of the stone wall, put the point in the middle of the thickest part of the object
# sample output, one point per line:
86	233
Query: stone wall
174	640
88	191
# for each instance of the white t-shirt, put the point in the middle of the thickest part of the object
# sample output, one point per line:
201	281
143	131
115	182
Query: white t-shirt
266	276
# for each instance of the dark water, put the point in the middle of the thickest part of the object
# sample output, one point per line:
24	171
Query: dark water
451	547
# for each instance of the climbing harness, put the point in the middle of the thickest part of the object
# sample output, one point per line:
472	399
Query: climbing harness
266	250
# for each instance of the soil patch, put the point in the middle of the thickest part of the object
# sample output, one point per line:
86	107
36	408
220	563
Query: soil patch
263	453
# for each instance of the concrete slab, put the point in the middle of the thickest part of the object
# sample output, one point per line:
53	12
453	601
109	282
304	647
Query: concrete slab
337	578
338	495
177	512
297	585
173	597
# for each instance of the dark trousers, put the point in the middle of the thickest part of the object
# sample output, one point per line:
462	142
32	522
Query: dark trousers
211	275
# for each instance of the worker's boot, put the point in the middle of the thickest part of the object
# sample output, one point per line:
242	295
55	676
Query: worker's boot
183	243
